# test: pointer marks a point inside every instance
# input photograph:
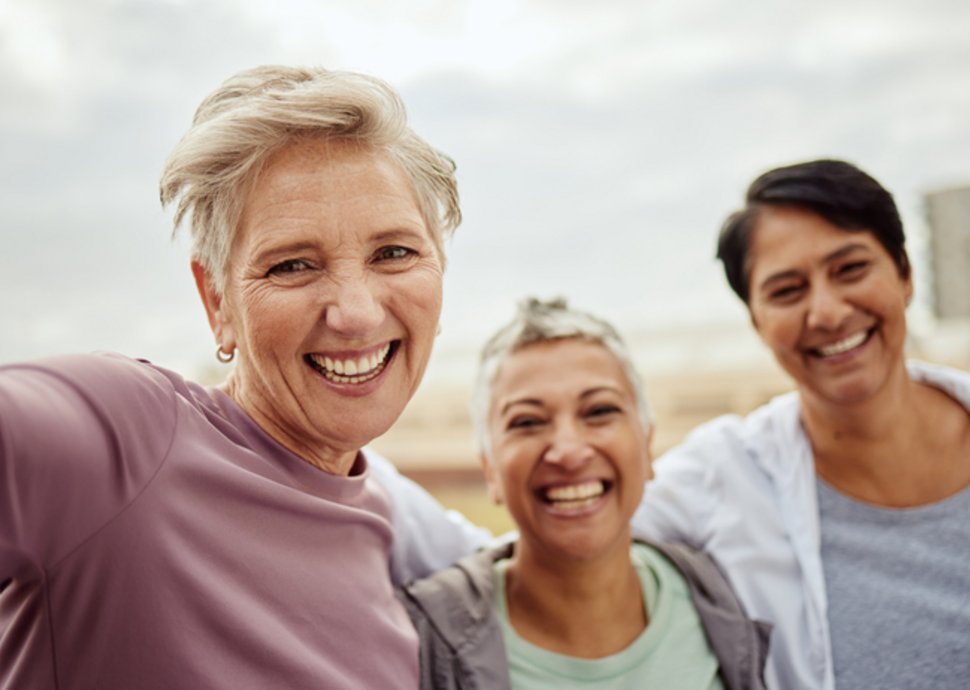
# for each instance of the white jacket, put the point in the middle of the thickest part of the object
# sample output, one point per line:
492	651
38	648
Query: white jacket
744	490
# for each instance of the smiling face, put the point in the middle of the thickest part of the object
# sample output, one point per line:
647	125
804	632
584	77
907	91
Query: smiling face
830	303
332	299
569	452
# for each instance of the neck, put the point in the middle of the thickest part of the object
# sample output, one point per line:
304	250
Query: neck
906	446
581	608
334	461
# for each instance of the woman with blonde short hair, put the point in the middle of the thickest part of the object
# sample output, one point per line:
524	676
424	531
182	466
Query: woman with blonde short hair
156	533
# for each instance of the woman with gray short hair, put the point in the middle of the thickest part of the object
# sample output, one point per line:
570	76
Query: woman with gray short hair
573	602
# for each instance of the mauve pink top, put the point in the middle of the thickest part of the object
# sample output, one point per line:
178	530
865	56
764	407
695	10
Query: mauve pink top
153	536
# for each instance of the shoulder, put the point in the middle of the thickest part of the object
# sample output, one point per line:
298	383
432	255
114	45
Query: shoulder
78	392
84	433
459	631
698	569
740	643
465	588
80	418
721	444
954	382
102	377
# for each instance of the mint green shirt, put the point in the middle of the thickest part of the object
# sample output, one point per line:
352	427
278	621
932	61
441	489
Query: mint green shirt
672	653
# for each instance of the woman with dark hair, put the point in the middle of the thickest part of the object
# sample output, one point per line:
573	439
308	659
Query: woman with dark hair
838	511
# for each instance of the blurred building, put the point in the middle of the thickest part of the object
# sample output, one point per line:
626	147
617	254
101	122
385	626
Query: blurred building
948	216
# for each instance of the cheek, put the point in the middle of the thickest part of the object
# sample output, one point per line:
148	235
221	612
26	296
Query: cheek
266	321
513	469
418	303
777	331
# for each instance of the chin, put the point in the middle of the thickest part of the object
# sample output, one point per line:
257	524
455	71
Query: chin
849	392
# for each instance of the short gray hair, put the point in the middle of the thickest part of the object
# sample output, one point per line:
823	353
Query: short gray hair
259	111
540	321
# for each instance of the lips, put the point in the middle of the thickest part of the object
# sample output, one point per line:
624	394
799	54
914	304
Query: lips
352	370
574	496
842	346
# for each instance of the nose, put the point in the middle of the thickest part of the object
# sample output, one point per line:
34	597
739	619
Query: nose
568	448
356	308
827	308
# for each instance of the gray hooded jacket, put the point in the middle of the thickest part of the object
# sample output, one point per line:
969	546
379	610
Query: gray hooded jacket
461	637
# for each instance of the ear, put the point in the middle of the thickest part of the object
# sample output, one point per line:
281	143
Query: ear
908	287
754	321
492	483
215	308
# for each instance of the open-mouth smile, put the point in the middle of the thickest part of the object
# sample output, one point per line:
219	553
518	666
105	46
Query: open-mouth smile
354	370
570	497
844	345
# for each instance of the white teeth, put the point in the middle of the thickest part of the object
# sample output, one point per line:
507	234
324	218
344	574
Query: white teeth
843	345
352	370
575	492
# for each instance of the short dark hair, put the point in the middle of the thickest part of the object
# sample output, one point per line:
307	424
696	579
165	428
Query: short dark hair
838	191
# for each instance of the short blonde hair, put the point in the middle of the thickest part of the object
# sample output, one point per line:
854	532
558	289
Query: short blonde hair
259	111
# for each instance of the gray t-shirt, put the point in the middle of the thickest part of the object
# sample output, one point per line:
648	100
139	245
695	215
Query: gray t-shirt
898	588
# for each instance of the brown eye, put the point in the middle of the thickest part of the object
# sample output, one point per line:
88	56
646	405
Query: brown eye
603	410
524	422
854	269
785	293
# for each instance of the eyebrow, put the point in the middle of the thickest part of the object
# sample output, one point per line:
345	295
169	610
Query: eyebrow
839	253
402	232
535	402
271	253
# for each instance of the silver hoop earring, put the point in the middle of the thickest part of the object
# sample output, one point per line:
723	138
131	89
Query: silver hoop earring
225	357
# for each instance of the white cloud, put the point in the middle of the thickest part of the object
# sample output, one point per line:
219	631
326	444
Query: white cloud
599	144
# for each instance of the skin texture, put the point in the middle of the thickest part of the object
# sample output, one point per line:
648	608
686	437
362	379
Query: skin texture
332	258
563	414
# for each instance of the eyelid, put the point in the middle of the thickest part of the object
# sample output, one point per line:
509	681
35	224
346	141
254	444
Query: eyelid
604	409
523	421
281	266
399	252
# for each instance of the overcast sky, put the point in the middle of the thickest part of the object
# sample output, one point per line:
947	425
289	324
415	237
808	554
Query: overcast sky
599	144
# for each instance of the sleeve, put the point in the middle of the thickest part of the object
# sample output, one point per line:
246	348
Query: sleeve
679	502
427	537
79	438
